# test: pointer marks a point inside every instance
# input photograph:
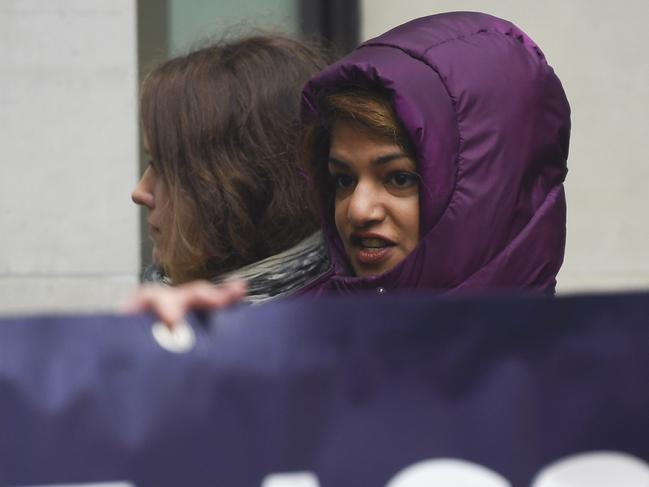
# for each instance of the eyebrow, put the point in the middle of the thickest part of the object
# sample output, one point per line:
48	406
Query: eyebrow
379	161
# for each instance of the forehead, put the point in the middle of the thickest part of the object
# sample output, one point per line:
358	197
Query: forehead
348	138
355	147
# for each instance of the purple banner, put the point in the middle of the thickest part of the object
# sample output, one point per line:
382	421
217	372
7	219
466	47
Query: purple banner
370	391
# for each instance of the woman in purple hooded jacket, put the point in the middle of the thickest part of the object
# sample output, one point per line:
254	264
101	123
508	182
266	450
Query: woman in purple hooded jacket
438	152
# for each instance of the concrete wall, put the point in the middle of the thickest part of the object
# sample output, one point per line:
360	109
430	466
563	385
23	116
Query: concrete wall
598	50
68	132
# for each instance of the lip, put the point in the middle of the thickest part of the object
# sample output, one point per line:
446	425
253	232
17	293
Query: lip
371	256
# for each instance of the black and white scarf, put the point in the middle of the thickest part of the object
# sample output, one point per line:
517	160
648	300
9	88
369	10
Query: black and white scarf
273	277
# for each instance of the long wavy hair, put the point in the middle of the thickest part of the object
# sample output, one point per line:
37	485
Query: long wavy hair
222	125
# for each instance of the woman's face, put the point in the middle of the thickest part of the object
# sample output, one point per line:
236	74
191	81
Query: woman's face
376	198
151	193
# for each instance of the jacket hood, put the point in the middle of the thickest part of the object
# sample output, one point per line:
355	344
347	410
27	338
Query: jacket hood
490	125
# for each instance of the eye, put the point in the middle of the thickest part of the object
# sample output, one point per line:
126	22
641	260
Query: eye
403	179
342	181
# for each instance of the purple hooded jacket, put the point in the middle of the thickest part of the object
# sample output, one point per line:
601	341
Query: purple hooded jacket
490	125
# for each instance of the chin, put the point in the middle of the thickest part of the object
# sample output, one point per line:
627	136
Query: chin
366	271
362	272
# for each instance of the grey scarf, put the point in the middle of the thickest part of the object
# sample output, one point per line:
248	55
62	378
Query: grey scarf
273	277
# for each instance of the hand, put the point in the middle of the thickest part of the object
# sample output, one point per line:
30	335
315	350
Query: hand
171	304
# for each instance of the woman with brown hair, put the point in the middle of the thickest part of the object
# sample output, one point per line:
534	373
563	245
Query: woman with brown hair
223	188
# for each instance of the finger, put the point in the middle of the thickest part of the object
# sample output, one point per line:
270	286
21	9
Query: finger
160	300
238	287
173	304
204	295
138	300
169	306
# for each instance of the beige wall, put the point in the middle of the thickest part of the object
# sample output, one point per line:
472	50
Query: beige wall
68	132
598	50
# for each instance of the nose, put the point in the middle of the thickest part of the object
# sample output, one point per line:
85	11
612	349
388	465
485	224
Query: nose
143	192
365	205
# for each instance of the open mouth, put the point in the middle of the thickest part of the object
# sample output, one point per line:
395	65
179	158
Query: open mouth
371	244
371	250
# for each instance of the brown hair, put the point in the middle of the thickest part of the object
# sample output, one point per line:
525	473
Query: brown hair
370	109
221	125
